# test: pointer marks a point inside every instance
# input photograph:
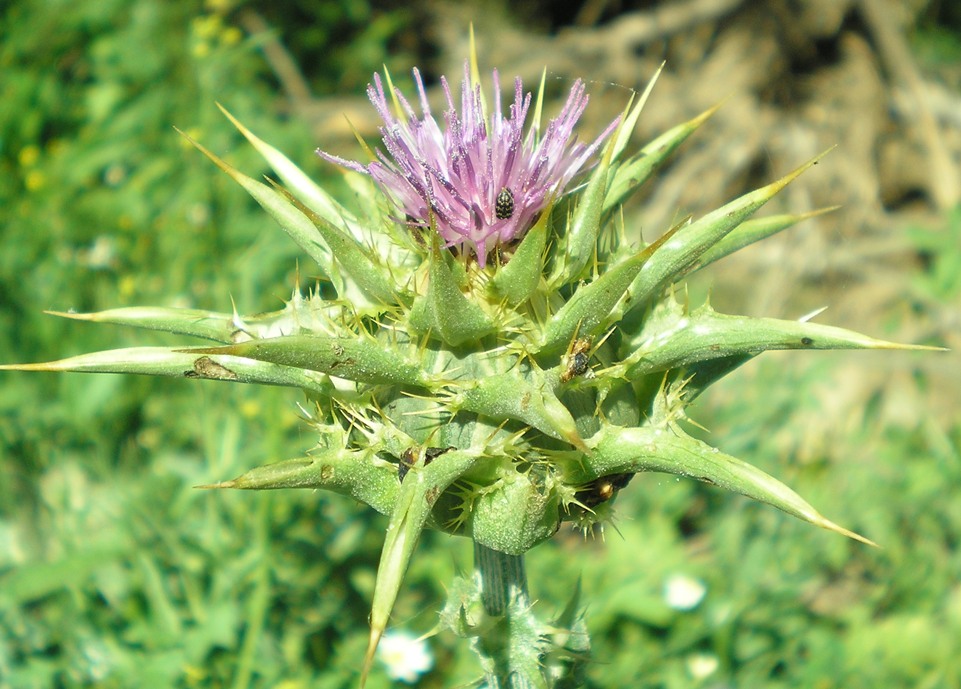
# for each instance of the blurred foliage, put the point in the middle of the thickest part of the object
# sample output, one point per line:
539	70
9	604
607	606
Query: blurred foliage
940	253
340	43
114	572
936	39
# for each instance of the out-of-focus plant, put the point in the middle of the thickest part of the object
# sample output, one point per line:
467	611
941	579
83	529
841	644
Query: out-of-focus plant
940	252
109	567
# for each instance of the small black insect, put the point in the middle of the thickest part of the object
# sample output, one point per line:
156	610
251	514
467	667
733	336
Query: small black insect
601	489
578	359
504	205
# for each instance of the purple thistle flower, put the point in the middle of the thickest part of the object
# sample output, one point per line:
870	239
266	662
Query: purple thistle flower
481	185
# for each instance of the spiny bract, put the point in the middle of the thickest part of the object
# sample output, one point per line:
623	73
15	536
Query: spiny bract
492	355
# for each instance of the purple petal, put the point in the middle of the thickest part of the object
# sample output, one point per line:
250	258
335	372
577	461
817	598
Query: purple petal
452	176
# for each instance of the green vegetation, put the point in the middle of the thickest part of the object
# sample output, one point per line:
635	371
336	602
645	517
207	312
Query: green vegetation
115	572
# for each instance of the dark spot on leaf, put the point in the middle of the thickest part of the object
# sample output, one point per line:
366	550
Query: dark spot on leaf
807	341
409	458
205	367
432	453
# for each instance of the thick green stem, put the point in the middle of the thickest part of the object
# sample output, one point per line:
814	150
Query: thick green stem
506	600
502	577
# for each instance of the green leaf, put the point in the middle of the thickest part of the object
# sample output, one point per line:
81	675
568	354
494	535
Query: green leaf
511	395
303	187
34	580
579	243
674	258
534	133
629	176
181	363
626	128
311	314
363	267
519	279
209	325
418	493
294	222
615	450
360	359
356	474
591	305
444	310
706	335
751	231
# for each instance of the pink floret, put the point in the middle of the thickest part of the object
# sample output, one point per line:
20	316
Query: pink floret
452	177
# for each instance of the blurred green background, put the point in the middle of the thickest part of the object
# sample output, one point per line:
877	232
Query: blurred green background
115	572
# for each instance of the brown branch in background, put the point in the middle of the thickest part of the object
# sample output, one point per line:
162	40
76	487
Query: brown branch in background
332	119
944	184
590	13
663	21
279	59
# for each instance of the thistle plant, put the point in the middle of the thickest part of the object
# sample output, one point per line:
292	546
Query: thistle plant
493	350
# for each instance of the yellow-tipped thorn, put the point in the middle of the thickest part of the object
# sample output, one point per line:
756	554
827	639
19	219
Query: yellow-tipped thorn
535	130
631	114
831	526
475	72
211	486
59	366
398	110
253	138
360	139
474	68
71	314
375	635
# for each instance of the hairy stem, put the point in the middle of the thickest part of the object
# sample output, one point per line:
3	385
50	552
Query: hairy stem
506	601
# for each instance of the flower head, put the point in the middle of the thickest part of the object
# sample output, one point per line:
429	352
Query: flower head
480	183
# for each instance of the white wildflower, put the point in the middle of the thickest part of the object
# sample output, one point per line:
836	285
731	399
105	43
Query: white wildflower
683	592
405	656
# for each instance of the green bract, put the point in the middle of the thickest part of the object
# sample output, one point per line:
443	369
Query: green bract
496	401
